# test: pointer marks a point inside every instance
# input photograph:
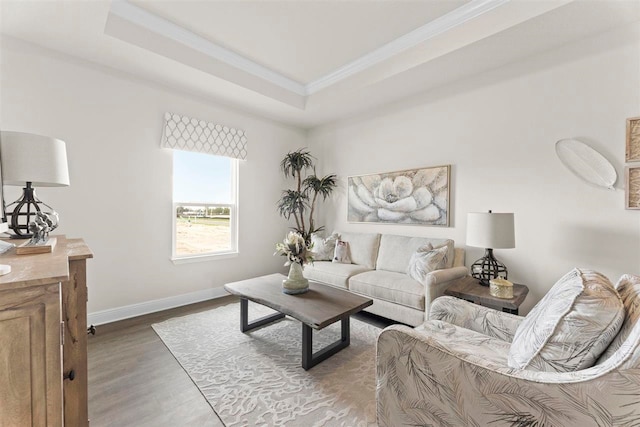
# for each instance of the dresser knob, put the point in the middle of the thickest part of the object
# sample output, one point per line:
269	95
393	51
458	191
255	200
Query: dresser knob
70	376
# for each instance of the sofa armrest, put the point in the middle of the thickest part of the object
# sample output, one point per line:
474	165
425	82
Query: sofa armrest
437	281
451	377
475	317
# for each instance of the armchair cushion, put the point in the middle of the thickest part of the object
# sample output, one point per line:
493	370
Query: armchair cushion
465	344
475	317
570	327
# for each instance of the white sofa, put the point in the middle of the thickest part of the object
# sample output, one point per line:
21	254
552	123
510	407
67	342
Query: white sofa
378	271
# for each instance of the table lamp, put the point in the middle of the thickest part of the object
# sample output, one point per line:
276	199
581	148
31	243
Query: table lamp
490	231
31	161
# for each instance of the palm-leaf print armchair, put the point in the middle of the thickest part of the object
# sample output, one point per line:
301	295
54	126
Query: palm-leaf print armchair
454	371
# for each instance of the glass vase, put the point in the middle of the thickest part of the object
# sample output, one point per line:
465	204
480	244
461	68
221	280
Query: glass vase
295	283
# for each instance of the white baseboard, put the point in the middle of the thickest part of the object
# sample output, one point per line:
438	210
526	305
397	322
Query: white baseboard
133	310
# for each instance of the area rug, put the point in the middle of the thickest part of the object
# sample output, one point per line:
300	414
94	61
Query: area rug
255	378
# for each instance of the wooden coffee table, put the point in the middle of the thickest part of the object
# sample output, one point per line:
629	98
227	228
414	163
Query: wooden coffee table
320	307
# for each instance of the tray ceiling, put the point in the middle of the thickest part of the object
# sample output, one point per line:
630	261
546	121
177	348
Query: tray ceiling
306	62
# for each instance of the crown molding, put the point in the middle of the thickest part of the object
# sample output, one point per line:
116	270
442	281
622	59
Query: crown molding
138	16
160	26
438	26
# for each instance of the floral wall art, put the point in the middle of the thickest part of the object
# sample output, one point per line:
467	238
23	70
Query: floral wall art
417	196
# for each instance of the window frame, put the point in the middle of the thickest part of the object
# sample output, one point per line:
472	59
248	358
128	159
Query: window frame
233	222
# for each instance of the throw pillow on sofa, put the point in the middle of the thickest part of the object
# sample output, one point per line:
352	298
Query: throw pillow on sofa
341	254
570	327
425	260
324	248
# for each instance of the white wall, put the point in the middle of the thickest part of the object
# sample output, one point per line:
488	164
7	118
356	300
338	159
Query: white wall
119	200
498	131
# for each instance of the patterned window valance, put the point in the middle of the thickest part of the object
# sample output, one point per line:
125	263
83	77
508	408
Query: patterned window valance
186	133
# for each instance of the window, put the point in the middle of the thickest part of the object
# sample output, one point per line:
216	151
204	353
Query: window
205	212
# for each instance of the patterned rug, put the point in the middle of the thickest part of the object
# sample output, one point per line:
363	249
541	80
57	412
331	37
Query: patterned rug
255	379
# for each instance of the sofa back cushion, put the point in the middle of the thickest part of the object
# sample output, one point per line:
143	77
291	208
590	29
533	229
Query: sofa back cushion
363	247
396	251
570	327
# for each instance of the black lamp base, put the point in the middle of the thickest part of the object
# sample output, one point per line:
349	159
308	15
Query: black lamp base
487	268
24	212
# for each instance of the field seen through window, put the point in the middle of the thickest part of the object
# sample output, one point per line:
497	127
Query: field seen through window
202	234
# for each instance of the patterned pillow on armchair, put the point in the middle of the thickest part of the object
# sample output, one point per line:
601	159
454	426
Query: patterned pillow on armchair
570	327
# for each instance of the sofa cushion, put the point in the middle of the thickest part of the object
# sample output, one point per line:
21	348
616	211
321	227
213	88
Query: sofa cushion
396	251
332	273
425	260
389	286
363	247
323	247
570	327
628	288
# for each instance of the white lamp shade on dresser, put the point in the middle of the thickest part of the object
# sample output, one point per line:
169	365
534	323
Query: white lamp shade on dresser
490	230
40	160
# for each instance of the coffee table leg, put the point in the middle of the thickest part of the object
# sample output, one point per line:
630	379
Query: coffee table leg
244	317
310	359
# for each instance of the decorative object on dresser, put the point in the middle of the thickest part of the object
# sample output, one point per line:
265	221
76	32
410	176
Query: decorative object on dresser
468	289
40	242
42	247
43	331
416	196
586	163
31	160
632	151
4	247
490	231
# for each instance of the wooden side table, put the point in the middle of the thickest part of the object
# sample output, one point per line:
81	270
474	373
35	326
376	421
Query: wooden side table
471	290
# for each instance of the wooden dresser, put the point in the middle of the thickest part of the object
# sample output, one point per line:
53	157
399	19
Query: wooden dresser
43	337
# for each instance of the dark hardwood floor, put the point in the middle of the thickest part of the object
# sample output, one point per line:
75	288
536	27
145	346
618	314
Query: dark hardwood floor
135	381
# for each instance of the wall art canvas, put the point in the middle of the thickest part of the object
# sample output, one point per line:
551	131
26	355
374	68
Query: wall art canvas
417	196
632	153
632	192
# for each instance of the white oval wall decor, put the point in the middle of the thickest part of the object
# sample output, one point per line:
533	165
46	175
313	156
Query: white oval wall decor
586	163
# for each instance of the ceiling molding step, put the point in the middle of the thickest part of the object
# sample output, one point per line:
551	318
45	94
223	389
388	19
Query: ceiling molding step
138	16
455	18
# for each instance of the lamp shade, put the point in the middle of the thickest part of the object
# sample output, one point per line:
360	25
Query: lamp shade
40	160
490	230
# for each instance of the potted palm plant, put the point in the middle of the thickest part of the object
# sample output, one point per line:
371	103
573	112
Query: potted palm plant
300	203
